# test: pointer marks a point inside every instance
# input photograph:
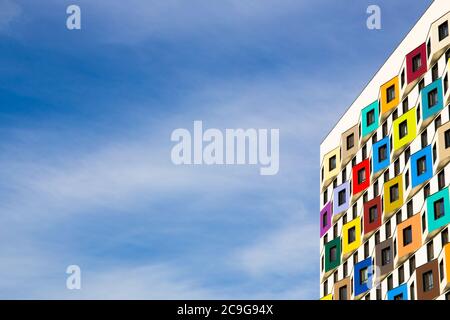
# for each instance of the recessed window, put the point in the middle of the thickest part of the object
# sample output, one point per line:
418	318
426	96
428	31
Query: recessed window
421	165
435	72
439	209
407	236
382	151
373	214
444	237
343	293
416	62
447	139
333	255
344	174
399	297
402	78
412	265
361	175
430	251
428	284
390	282
421	85
426	191
441	270
405	104
351	235
393	193
441	180
403	129
388	229
443	31
428	48
370	117
401	274
386	256
350	141
341	197
432	98
390	93
446	84
407	179
366	250
364	276
409	209
332	163
325	220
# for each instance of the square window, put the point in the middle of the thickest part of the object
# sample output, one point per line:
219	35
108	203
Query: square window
373	214
399	297
421	165
416	63
386	256
390	93
439	209
333	255
370	117
364	276
361	175
351	235
341	197
393	193
428	284
447	139
435	72
350	141
403	129
325	220
343	293
407	236
432	98
382	151
332	163
443	31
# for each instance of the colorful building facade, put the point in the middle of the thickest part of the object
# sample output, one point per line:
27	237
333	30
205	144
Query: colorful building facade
385	171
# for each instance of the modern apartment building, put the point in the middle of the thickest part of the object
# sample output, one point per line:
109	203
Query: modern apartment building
385	176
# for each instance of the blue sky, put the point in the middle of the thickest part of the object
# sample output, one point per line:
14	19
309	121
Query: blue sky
85	123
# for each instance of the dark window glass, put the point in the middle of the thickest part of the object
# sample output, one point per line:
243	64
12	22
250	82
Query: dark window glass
341	197
403	129
351	235
325	220
393	193
412	265
416	62
364	276
386	256
388	229
370	117
407	236
373	214
447	139
333	256
444	237
332	163
430	251
443	31
428	284
401	274
361	175
343	293
382	152
421	165
350	141
390	93
432	98
435	72
441	180
439	210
